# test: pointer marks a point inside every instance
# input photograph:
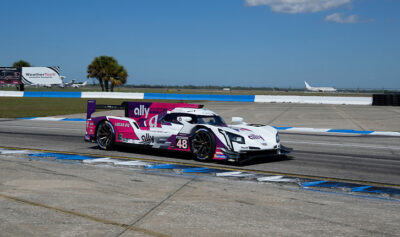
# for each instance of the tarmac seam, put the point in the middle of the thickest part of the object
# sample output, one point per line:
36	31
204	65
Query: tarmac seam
92	218
279	115
155	207
346	116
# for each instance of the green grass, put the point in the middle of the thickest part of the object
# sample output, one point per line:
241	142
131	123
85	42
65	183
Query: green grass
39	107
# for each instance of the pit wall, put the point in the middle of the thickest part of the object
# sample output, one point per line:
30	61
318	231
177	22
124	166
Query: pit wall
232	98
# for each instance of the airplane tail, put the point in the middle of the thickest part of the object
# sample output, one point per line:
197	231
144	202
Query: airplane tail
307	85
85	83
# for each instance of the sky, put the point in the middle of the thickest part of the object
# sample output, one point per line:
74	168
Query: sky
255	43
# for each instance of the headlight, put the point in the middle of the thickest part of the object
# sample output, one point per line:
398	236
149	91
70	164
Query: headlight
278	139
231	137
235	138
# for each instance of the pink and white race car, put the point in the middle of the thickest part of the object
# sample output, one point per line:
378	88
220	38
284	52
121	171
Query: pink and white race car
182	127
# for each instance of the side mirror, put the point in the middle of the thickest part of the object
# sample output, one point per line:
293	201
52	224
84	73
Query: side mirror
184	119
237	120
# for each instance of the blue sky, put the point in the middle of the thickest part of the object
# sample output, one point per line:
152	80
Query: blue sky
341	43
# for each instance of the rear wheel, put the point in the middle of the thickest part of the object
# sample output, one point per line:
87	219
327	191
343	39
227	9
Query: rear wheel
203	145
105	135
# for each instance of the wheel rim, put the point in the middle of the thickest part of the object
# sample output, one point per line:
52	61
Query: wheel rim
201	145
104	135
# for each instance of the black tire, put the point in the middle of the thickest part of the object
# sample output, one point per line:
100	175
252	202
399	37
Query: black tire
105	135
203	145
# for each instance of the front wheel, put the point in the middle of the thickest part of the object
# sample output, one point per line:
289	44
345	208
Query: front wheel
105	135
203	145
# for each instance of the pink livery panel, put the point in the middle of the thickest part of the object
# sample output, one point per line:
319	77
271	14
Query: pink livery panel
148	114
123	129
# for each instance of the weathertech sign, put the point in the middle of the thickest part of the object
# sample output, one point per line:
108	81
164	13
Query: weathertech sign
10	75
41	76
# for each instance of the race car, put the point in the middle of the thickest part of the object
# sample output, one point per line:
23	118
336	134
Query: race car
182	127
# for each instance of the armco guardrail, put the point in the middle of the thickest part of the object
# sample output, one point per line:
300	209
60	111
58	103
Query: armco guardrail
386	99
205	97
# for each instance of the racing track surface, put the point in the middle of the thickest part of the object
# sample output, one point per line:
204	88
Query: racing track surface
362	158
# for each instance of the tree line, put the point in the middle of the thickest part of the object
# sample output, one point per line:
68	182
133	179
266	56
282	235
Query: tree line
105	69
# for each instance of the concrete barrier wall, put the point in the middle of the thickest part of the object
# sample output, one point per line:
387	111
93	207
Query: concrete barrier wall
113	95
205	97
11	93
52	94
160	96
314	99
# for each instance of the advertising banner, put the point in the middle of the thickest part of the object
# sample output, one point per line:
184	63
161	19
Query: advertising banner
10	75
41	76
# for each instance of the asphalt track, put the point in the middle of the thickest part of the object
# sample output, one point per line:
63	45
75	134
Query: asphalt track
350	157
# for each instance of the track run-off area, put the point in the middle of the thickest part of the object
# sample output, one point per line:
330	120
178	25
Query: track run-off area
360	158
331	184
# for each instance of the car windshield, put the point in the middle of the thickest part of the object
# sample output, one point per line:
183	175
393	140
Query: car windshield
211	120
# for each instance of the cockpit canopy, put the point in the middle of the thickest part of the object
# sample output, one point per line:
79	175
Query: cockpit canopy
214	120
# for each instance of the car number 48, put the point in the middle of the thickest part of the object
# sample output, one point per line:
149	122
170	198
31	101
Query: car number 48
182	143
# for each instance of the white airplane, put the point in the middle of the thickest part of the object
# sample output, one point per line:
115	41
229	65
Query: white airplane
73	84
77	85
319	89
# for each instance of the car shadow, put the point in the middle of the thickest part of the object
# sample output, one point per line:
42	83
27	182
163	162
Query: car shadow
265	160
126	148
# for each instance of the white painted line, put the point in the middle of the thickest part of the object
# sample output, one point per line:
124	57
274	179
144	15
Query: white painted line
277	178
344	145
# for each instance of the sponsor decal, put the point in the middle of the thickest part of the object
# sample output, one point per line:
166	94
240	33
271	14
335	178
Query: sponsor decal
141	110
148	138
256	137
10	75
126	125
41	75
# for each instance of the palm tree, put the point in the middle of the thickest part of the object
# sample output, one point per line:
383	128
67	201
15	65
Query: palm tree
106	69
119	76
21	63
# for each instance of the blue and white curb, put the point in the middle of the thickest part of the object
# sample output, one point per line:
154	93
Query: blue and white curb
334	187
339	100
285	129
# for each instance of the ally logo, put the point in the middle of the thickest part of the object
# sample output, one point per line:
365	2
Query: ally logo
148	138
141	110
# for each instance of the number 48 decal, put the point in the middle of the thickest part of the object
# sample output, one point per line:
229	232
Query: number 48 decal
182	143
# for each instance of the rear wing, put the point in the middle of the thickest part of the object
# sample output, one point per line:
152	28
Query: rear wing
140	111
